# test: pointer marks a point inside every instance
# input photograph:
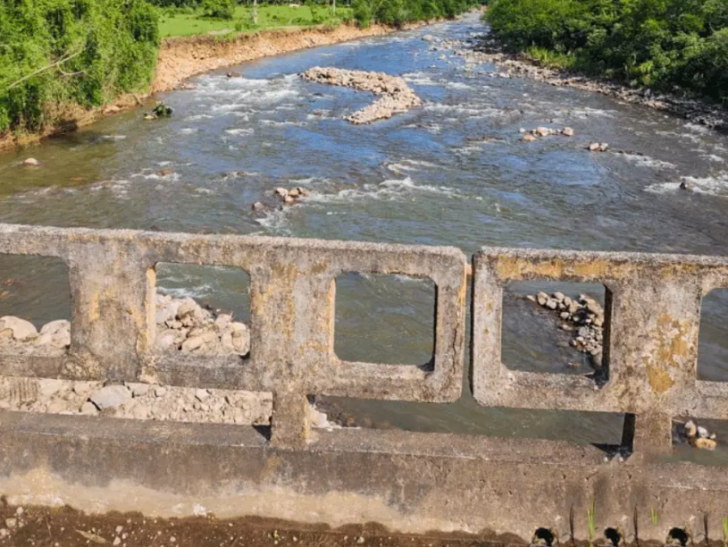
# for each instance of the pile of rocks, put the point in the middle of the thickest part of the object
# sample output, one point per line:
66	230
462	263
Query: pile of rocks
184	325
699	437
289	196
534	134
396	95
136	401
598	147
582	316
20	336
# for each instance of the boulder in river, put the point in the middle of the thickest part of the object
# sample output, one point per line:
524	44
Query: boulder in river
31	162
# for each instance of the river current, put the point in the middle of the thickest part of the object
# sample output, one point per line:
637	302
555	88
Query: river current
451	172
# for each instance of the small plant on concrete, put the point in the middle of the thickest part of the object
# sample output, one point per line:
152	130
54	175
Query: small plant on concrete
653	516
725	531
590	515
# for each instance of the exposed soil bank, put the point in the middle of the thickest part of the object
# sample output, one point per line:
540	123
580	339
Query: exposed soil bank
182	58
488	49
64	527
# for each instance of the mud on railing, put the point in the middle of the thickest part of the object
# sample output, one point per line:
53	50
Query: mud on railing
651	328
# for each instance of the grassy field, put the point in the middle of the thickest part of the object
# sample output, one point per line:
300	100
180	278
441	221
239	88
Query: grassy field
191	23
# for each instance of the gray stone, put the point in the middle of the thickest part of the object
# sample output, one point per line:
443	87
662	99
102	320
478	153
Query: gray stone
89	409
49	387
22	329
192	344
139	389
56	326
187	307
110	396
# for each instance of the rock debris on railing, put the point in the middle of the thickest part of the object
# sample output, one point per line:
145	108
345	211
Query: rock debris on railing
582	316
143	401
699	437
21	336
184	325
396	95
135	400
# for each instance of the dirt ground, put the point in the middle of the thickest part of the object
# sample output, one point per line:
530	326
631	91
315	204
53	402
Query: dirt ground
65	527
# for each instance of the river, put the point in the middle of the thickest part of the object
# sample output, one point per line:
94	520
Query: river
452	172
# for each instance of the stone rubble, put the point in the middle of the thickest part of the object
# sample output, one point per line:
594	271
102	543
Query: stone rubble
583	317
20	337
598	147
183	325
540	132
699	437
396	95
135	401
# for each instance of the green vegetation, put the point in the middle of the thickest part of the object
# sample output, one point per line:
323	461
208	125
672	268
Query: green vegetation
59	52
664	44
591	513
189	21
399	12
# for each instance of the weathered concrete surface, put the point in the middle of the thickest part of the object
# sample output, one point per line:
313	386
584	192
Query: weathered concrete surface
407	481
292	298
651	337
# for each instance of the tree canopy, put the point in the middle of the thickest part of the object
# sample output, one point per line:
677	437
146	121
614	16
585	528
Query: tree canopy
665	44
85	52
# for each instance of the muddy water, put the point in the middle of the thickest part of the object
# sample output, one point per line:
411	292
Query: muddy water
452	172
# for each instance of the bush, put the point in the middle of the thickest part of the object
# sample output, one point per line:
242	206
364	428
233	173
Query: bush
399	12
666	44
59	52
219	9
362	13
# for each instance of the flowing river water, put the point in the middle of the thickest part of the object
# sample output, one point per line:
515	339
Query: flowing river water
452	172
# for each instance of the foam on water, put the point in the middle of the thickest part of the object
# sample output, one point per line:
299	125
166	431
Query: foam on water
200	291
388	190
713	186
240	131
647	161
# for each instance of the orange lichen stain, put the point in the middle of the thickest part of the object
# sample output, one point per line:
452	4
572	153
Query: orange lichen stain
597	269
673	335
319	268
660	381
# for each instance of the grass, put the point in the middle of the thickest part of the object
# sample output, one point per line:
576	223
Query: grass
181	23
590	520
725	531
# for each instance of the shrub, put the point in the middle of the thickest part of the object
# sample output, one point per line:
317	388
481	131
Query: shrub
59	52
665	44
219	9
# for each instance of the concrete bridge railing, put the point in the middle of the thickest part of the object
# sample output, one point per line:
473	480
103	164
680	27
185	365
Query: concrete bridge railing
404	480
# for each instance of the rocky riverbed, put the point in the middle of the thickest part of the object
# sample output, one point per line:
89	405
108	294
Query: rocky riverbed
582	316
184	325
395	95
486	49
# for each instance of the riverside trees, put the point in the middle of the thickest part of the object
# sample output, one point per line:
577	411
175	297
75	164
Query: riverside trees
79	52
666	44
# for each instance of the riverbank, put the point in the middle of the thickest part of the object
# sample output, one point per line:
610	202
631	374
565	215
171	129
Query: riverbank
183	58
487	49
